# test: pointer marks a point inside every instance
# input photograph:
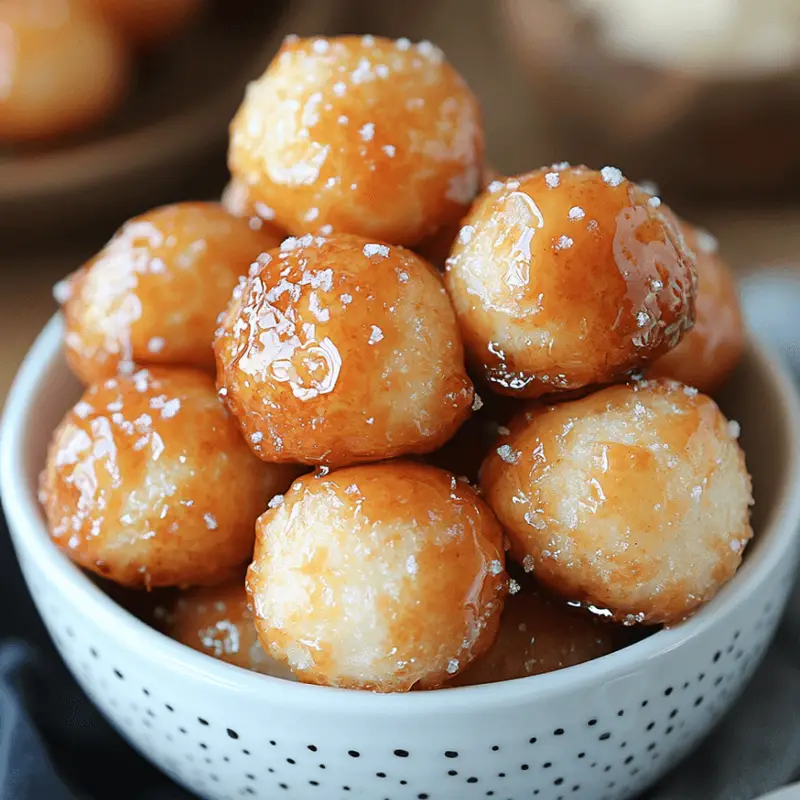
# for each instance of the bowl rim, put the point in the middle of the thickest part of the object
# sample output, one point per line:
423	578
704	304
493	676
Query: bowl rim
29	533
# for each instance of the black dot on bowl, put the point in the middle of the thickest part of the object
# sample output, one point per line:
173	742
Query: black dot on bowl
524	767
629	759
736	635
607	768
729	649
558	732
558	781
146	692
612	784
207	760
645	703
246	752
650	726
291	761
673	713
495	748
169	708
249	790
472	780
380	774
490	793
202	721
668	691
581	755
621	712
151	713
452	772
322	766
501	774
354	754
547	765
450	754
232	733
623	745
403	783
312	748
270	770
651	746
593	764
576	787
669	730
203	746
345	788
698	701
592	723
701	676
532	740
422	796
604	736
283	786
250	776
313	783
634	771
94	653
119	674
182	730
717	656
401	753
686	684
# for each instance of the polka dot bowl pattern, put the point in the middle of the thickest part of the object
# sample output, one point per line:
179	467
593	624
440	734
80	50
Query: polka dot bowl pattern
605	729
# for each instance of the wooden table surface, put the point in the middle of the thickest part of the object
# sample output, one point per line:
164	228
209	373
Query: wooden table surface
469	32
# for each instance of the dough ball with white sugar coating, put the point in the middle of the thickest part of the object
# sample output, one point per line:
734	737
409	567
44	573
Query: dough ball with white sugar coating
148	482
710	351
635	499
386	577
540	633
567	277
340	350
153	294
218	621
359	135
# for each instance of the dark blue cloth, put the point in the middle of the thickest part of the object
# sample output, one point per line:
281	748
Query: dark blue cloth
54	745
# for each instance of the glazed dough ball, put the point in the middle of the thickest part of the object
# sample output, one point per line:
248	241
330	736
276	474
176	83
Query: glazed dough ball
153	294
145	22
359	135
149	484
237	200
634	500
384	577
218	621
61	69
710	351
340	350
567	277
540	633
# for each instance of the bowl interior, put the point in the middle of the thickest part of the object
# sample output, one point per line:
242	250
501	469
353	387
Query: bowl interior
760	396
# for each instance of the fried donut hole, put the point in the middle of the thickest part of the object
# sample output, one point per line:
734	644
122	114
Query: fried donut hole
710	351
567	277
61	69
340	350
146	22
634	500
148	482
217	621
360	135
540	633
153	294
385	577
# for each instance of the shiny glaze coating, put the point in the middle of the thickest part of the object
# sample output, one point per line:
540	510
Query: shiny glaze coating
218	621
145	22
149	484
710	351
237	199
339	350
634	500
153	294
567	277
540	633
359	135
385	577
61	68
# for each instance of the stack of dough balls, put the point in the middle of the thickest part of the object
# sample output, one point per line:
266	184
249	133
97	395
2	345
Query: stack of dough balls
402	531
66	64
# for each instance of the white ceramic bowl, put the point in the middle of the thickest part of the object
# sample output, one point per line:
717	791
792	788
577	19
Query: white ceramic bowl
605	729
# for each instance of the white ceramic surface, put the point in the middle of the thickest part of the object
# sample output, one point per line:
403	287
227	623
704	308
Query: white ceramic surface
605	729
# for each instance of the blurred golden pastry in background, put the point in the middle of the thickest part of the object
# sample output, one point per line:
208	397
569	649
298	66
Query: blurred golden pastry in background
146	22
152	295
62	68
217	621
710	351
541	633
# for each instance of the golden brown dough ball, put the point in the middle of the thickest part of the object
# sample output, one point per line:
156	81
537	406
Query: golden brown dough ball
359	135
385	577
61	68
145	22
567	277
540	633
149	484
237	200
710	351
634	499
153	294
342	349
218	621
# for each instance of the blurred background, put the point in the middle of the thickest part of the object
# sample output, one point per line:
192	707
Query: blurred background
110	107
